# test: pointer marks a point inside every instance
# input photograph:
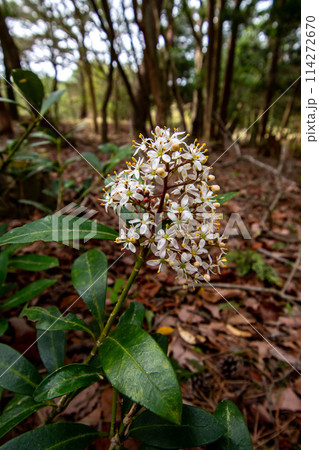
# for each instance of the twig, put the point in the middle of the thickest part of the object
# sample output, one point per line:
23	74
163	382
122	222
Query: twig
256	289
275	257
292	273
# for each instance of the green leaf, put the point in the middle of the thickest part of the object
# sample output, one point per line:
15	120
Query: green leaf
51	346
6	288
56	228
89	277
30	85
8	100
3	228
27	293
16	411
37	205
34	262
137	367
237	435
3	325
93	160
52	98
198	427
134	315
52	319
117	289
66	379
17	374
223	198
3	267
162	341
62	436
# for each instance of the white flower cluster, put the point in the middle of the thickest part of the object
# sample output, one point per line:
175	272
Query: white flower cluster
171	196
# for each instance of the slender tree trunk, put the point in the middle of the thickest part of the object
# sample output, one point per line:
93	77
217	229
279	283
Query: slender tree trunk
83	109
272	74
106	99
11	59
230	62
89	76
5	120
212	62
288	109
218	57
197	108
138	109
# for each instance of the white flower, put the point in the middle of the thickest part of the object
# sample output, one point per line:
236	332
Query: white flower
145	223
170	184
166	237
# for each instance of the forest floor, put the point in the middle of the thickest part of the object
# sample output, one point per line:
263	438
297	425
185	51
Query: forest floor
228	343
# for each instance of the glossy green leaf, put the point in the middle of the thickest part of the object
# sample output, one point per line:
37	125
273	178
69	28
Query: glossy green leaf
3	267
51	346
30	85
223	198
134	315
53	319
89	277
27	293
16	411
52	98
162	341
93	160
34	262
198	427
137	367
3	325
237	435
57	228
17	374
66	379
61	436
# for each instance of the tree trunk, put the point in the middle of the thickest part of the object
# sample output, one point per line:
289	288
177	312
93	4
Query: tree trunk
106	99
88	71
230	62
271	82
11	59
212	62
214	126
5	120
288	109
157	72
197	108
83	109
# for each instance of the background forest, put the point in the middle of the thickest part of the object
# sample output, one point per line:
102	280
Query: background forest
228	73
198	65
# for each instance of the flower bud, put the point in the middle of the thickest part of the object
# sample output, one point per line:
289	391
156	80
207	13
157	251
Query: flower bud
207	277
161	172
197	264
175	147
211	177
215	188
216	205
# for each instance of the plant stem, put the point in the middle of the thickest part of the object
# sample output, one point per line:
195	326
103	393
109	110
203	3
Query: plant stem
138	264
19	142
60	185
66	399
114	408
